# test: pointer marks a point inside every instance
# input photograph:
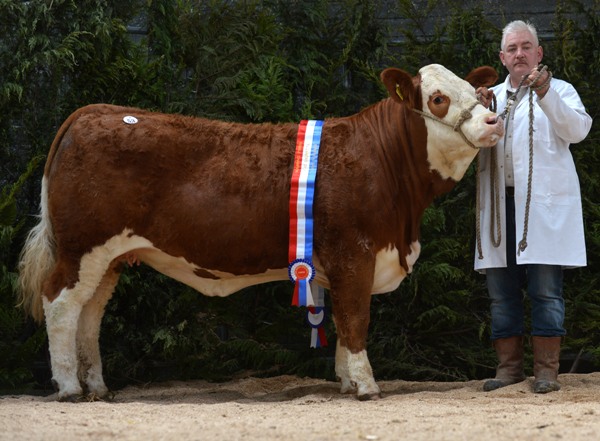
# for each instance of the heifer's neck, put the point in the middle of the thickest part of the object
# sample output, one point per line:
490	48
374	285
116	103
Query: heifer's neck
409	185
402	149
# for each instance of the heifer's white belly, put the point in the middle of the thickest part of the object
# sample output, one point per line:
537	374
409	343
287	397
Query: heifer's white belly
388	272
223	285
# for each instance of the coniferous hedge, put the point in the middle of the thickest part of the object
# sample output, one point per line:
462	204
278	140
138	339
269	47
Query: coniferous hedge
254	61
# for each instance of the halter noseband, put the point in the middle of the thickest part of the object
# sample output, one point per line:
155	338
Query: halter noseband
465	114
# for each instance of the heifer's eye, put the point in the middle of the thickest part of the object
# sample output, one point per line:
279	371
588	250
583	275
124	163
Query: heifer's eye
438	100
439	104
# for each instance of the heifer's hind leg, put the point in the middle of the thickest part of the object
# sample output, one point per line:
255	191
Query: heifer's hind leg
62	318
88	335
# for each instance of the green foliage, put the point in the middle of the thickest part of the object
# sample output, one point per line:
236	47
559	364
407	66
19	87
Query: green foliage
18	349
333	49
232	51
255	61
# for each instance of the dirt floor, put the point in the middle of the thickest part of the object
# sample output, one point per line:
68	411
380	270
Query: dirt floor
292	408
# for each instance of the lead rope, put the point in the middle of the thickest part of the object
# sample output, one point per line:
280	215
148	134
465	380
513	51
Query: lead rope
494	191
494	196
533	86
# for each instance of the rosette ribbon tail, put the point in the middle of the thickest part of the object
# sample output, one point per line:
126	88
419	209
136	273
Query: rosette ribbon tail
302	293
318	338
296	296
316	316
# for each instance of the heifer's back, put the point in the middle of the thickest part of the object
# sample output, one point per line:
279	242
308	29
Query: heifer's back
207	203
201	189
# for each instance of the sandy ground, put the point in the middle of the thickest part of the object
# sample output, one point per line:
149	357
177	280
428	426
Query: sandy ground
292	408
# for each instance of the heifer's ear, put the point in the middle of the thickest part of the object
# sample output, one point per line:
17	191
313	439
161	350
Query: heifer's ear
484	76
399	85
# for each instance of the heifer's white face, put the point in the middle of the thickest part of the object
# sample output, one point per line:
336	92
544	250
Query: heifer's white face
445	96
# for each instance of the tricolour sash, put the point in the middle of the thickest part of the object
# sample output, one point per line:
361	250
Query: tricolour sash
301	269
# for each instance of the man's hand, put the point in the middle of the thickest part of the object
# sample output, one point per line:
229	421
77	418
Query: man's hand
485	96
542	84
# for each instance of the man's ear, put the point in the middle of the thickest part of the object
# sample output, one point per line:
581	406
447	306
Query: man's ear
401	86
484	76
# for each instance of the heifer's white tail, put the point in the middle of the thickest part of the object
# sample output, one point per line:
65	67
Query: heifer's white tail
37	261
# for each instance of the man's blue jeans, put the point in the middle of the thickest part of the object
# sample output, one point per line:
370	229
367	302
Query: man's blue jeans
544	289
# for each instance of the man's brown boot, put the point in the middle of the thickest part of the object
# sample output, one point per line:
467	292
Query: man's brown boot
510	367
546	352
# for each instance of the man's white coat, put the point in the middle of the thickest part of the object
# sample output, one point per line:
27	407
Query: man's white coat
555	234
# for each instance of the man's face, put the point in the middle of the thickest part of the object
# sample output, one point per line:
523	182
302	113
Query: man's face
520	55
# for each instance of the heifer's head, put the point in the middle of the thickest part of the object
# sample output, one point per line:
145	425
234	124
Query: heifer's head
457	124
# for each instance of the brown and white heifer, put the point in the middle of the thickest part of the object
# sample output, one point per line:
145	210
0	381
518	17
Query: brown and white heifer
207	203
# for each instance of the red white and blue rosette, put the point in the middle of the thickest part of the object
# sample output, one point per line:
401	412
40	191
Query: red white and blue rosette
302	272
302	193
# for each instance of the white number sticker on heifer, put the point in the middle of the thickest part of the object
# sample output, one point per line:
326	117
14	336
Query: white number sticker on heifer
207	203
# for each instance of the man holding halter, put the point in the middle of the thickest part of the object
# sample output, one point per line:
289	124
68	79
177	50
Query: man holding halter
530	209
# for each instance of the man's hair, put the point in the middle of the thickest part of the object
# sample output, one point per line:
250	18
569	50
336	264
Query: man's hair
519	26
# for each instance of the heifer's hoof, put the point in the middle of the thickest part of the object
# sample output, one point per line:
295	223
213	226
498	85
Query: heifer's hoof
69	395
348	387
70	398
91	397
98	392
369	397
368	390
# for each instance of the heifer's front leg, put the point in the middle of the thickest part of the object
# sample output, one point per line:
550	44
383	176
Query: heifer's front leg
88	334
342	371
351	309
